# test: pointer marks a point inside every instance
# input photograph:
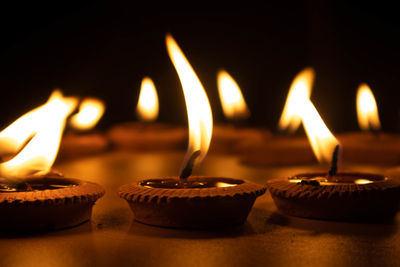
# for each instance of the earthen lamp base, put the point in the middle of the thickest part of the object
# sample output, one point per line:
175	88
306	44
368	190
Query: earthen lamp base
82	144
205	202
352	197
379	148
278	150
53	203
152	136
229	139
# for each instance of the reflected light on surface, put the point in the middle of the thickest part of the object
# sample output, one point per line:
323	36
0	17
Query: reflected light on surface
363	181
222	184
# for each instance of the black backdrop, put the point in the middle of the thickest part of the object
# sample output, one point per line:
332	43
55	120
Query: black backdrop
104	48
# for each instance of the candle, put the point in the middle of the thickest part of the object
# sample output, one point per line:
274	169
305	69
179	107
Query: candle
333	195
31	195
147	134
191	201
229	138
371	145
285	148
81	140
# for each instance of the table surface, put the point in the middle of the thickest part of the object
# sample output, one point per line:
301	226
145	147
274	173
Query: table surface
113	238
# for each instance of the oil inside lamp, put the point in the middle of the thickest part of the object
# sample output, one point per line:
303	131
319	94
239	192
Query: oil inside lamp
333	195
286	148
146	134
371	145
31	195
81	139
191	201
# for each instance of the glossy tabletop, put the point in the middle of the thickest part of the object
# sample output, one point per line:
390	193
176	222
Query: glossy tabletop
113	238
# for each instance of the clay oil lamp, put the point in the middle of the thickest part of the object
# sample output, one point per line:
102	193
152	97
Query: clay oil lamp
191	201
147	134
371	145
285	148
81	139
228	138
32	196
334	195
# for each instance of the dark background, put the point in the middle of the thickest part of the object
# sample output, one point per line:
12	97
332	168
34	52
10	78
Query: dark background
104	48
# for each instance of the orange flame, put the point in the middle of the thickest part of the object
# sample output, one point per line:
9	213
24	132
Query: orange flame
322	140
147	107
197	104
232	101
46	124
367	110
90	112
299	92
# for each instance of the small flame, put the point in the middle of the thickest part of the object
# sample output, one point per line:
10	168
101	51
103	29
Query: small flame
322	140
232	101
299	92
197	104
367	111
147	107
46	124
90	112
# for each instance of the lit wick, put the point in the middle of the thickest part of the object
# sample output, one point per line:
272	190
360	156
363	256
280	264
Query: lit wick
187	171
334	163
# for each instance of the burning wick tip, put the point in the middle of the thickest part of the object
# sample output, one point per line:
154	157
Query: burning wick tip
334	164
187	171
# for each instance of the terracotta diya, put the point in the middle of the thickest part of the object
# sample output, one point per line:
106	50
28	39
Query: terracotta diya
147	134
284	148
31	196
191	201
371	145
81	140
334	195
228	138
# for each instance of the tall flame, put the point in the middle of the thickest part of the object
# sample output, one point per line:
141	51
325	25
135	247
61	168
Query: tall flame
367	110
147	107
197	104
299	92
232	101
322	140
90	112
46	124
